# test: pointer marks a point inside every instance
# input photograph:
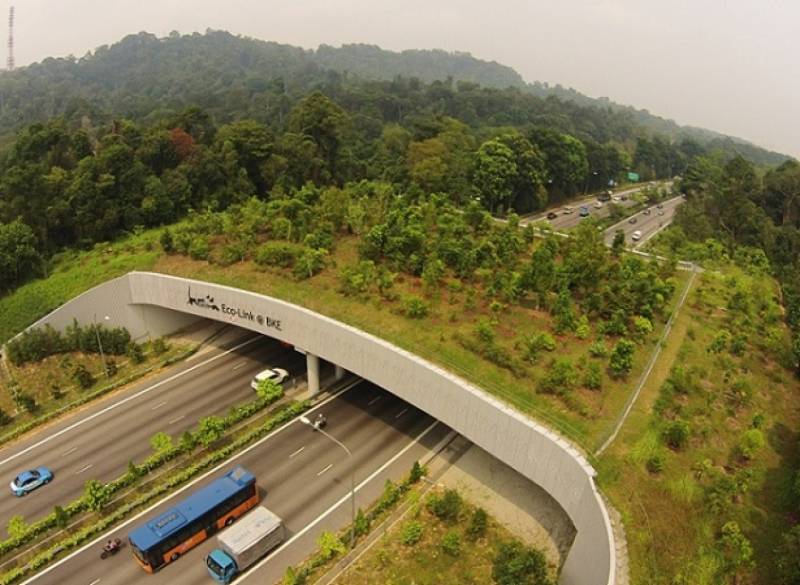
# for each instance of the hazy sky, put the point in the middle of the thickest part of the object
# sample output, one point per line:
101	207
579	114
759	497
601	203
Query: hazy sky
731	66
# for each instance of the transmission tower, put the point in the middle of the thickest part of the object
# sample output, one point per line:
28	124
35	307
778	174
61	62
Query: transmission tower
10	61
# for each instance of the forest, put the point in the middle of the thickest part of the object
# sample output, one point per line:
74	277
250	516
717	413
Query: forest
70	182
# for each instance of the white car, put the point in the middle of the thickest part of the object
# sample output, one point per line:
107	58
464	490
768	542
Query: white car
568	210
636	236
277	375
598	204
616	198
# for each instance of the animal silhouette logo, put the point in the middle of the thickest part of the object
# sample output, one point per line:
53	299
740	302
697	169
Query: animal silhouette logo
206	302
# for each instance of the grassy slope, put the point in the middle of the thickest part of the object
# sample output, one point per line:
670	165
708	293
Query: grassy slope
670	526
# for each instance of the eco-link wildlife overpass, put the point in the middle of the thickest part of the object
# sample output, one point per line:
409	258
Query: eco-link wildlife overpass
150	304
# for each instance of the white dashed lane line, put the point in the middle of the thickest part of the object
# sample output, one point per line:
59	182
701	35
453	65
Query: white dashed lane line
401	413
324	470
300	450
176	419
373	401
159	405
82	469
68	451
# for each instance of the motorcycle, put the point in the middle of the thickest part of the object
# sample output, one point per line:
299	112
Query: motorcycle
320	421
111	548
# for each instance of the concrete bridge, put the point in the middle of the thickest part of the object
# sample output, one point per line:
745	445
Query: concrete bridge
151	305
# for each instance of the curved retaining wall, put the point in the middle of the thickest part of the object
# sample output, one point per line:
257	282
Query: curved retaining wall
154	304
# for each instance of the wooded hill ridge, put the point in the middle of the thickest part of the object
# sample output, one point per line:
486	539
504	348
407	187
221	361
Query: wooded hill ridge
143	77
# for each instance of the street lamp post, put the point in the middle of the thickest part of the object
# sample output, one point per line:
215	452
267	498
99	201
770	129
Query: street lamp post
100	345
305	420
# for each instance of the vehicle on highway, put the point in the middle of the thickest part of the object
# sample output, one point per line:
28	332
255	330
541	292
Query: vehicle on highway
606	196
111	548
27	481
584	212
615	198
660	206
623	197
567	210
166	537
277	375
636	236
632	220
598	204
241	545
646	211
552	215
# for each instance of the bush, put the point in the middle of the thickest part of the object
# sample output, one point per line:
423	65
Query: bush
17	526
210	429
330	545
451	543
279	254
655	464
516	564
26	402
269	391
417	473
447	507
477	524
83	377
161	442
415	308
295	577
593	376
411	533
111	368
361	524
598	349
560	378
676	434
36	344
582	331
751	442
166	241
536	343
309	263
642	326
160	346
4	418
136	353
621	360
199	248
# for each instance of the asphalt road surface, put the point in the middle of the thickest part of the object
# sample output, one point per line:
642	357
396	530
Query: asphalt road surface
300	472
98	441
647	224
566	221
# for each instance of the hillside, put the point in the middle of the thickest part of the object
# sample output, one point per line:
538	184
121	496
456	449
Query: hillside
142	77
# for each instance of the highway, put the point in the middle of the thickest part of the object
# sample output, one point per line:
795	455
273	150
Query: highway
647	224
568	221
97	441
301	474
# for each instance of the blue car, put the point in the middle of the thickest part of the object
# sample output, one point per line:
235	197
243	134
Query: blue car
27	481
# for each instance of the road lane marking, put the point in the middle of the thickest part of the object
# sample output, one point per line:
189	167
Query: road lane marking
401	413
176	419
157	406
68	451
125	401
191	484
324	470
300	450
345	498
239	365
374	400
95	582
82	469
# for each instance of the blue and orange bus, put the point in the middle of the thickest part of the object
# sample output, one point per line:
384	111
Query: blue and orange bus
164	538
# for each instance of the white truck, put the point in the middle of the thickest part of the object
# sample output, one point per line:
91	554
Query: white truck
241	545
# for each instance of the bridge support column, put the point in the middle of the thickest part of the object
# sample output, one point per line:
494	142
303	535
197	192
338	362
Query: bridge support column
339	372
312	368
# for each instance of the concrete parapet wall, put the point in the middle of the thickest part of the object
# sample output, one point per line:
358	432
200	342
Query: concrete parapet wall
138	301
